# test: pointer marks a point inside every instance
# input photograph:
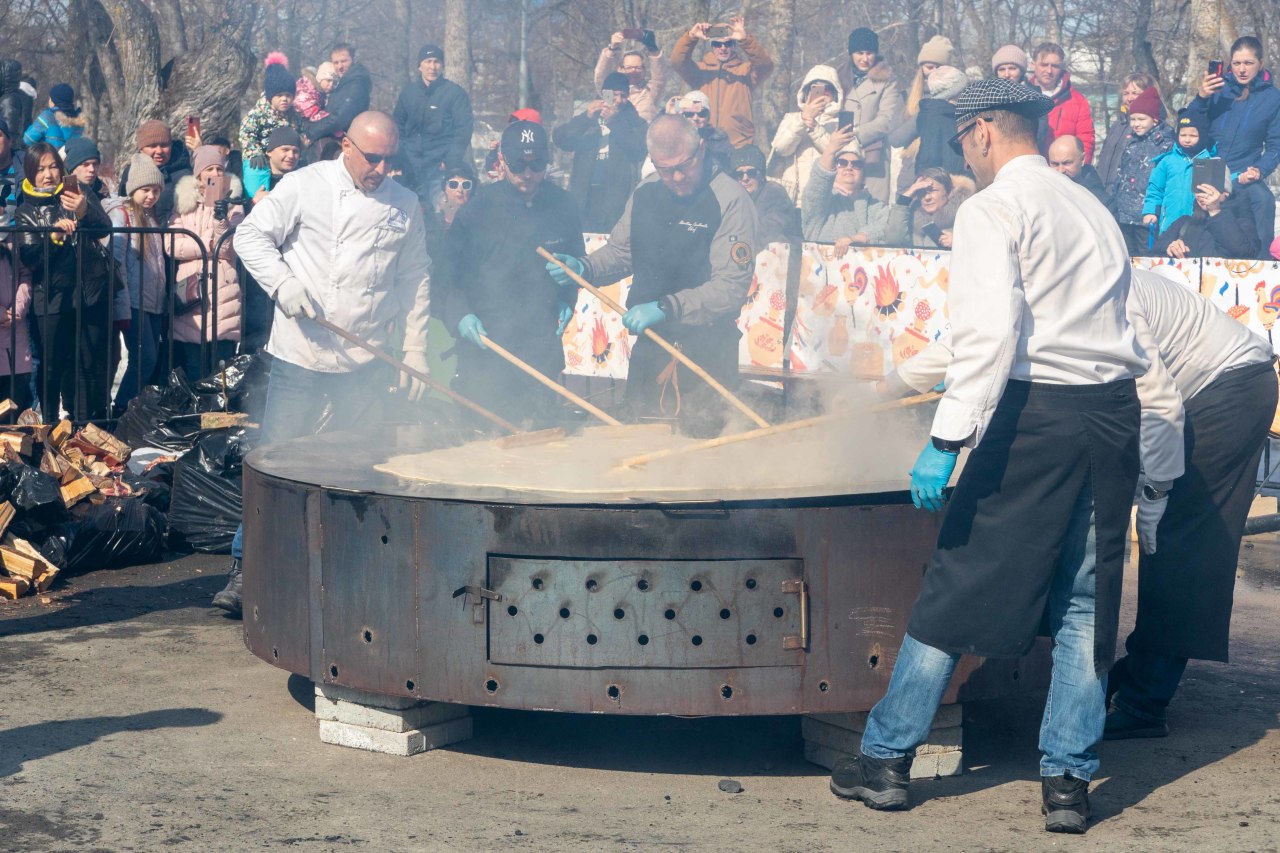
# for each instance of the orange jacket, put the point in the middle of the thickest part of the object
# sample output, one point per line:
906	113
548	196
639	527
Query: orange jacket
728	86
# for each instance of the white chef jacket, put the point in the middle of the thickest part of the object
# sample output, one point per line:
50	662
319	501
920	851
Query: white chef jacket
1039	276
1190	343
361	256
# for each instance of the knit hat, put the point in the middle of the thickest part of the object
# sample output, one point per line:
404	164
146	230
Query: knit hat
527	114
937	50
947	82
1147	103
1009	54
79	149
430	51
282	135
616	81
695	101
326	71
863	39
142	173
64	98
746	156
1200	122
206	156
277	80
153	132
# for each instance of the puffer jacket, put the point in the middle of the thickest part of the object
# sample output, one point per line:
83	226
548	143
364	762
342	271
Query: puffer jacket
826	216
876	101
1129	192
1072	116
140	257
309	100
1247	131
16	106
255	130
728	86
1169	191
795	147
73	271
54	127
223	288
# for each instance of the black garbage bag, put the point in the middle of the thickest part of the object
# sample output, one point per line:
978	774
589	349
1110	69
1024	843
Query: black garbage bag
162	416
119	532
204	508
234	388
155	486
33	489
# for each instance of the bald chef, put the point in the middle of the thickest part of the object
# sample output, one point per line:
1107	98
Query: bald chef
1041	388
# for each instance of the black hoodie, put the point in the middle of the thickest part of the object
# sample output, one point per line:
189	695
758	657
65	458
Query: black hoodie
15	105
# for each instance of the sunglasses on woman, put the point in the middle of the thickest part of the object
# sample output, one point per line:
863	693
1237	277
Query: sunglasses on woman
697	113
456	184
749	174
846	163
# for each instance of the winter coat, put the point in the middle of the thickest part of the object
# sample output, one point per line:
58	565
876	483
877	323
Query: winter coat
11	184
309	100
1129	191
647	99
1169	191
1112	148
349	98
15	336
1072	116
255	130
223	287
877	102
728	86
435	127
140	258
16	106
54	127
1230	234
827	216
77	265
1092	181
1247	131
796	147
601	187
906	222
777	219
934	126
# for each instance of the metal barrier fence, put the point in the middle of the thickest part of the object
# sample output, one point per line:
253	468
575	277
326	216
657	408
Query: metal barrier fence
61	297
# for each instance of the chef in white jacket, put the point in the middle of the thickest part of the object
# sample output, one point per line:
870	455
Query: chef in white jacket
338	241
1207	402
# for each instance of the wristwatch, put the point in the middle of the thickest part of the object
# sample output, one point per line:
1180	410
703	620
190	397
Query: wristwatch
946	446
1151	493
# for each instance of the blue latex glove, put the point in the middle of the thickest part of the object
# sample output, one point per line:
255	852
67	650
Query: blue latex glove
941	386
929	477
559	275
566	314
641	317
471	328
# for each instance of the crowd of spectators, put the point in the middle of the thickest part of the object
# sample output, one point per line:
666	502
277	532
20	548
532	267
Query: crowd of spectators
865	158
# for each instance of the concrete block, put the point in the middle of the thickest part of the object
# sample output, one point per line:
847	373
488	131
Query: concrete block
924	766
831	738
396	743
950	739
339	693
856	721
417	716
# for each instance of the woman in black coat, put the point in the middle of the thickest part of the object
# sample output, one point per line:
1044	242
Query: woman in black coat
1222	226
71	285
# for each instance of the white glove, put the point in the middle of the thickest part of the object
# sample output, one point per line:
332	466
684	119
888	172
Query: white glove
416	387
294	301
1149	514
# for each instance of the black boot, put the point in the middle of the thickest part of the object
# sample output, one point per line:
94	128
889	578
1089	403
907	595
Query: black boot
1121	725
881	783
229	598
1065	803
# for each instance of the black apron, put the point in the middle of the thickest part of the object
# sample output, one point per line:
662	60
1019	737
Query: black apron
1185	589
986	588
660	388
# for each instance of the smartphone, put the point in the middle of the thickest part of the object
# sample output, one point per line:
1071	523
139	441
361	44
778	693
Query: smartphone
71	184
933	231
216	189
193	125
719	31
1209	170
844	118
1215	67
633	34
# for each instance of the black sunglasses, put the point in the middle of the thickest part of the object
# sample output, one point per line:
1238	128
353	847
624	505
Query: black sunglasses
729	43
846	163
954	142
374	160
748	174
456	184
697	113
529	164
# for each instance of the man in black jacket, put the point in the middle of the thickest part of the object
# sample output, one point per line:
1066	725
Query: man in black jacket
434	116
501	288
607	141
1066	155
16	106
349	97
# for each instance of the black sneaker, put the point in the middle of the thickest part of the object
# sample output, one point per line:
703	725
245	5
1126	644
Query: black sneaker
1121	725
881	783
1118	676
229	599
1065	803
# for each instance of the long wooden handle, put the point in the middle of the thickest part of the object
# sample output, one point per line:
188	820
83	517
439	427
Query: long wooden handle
417	374
662	342
636	461
550	383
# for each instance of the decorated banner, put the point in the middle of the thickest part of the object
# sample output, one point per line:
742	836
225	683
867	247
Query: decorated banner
1247	290
595	342
1185	271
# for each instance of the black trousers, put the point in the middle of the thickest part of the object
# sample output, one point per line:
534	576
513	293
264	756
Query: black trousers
74	364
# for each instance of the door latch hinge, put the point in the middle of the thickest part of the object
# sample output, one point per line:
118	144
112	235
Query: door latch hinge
800	642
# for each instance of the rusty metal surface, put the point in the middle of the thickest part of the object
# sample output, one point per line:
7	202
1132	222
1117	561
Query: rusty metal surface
358	589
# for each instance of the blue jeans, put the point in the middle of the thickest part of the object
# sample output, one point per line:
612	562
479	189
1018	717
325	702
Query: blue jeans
297	400
1074	711
142	342
1148	684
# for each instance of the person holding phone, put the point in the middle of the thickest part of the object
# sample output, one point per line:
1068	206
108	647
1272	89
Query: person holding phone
803	134
1171	189
1221	226
1242	106
925	134
728	78
647	71
923	216
837	208
873	97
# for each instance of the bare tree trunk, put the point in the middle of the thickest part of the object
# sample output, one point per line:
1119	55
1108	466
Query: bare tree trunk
1143	58
457	42
1211	32
778	91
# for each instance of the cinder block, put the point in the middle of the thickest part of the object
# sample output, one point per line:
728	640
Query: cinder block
419	715
950	739
339	693
396	743
856	721
923	767
830	738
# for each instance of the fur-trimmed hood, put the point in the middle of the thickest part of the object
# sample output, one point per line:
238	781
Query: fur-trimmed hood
184	194
879	74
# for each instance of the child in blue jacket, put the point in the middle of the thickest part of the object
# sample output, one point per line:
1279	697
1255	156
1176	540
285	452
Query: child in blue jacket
57	123
1170	195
